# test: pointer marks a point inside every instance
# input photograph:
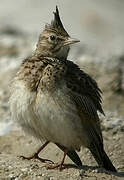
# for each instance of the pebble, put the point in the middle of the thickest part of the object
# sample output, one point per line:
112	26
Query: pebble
96	170
24	169
13	177
47	178
10	167
113	121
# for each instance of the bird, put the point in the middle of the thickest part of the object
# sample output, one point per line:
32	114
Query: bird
55	101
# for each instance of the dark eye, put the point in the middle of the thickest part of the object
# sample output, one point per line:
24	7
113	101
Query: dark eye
52	37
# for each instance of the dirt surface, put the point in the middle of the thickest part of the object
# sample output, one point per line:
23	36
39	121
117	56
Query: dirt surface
16	143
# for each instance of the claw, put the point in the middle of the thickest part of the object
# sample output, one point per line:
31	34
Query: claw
57	166
61	165
35	156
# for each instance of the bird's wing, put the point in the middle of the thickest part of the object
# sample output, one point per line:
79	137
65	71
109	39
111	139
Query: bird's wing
84	91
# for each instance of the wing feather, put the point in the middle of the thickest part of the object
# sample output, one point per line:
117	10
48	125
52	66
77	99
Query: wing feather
83	90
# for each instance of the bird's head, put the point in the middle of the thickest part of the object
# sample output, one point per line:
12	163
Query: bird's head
54	41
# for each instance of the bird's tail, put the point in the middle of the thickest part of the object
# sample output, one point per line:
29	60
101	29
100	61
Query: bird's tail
72	155
102	158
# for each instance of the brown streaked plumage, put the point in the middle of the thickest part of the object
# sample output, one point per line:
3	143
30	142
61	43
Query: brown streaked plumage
55	101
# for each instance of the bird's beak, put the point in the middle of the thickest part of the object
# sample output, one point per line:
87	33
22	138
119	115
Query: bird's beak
70	41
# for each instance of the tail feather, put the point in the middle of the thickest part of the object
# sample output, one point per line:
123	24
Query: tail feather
72	155
102	159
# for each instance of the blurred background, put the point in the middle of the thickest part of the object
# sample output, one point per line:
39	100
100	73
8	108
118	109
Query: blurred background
98	24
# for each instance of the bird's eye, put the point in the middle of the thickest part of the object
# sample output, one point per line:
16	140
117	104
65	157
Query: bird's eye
52	37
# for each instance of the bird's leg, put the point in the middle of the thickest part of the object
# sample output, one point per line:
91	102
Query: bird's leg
61	165
71	154
35	155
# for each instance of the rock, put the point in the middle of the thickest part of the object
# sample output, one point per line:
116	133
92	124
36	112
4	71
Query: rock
113	121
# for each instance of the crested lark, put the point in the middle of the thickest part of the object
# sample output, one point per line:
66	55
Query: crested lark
53	100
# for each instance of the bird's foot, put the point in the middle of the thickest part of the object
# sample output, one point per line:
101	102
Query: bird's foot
59	166
35	156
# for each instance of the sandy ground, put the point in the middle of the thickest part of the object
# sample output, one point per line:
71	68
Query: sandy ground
14	168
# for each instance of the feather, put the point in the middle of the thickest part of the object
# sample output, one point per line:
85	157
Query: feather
56	24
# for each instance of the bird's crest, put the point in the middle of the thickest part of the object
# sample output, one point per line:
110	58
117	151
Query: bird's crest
56	24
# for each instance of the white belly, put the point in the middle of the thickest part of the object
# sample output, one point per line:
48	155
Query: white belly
50	117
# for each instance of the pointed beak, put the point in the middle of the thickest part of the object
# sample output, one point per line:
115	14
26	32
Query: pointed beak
70	41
